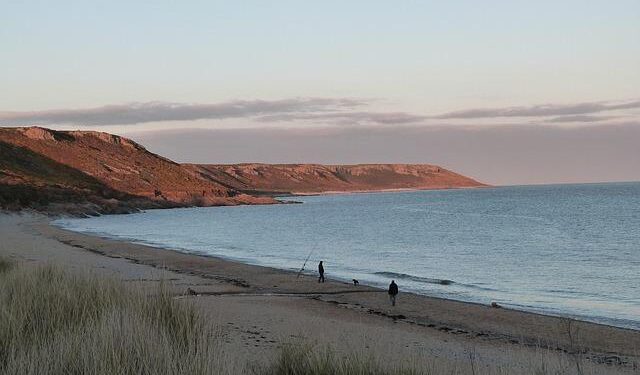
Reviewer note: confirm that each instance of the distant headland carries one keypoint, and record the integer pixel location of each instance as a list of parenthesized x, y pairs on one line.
[(88, 172)]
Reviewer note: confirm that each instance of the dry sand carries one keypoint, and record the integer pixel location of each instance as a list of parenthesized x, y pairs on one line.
[(259, 308)]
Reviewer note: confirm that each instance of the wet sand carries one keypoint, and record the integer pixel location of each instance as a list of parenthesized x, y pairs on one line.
[(258, 309)]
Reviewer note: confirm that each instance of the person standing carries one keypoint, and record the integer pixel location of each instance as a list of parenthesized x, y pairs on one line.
[(393, 292), (321, 272)]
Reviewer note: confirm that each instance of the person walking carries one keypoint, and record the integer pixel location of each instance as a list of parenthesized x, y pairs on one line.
[(321, 272), (393, 292)]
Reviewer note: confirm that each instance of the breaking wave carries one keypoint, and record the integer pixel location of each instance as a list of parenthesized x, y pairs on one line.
[(404, 276)]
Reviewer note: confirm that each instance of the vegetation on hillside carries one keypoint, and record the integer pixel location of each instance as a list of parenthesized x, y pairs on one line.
[(33, 181)]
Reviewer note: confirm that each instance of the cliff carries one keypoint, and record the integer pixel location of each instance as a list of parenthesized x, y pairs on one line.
[(273, 179), (93, 171), (87, 172)]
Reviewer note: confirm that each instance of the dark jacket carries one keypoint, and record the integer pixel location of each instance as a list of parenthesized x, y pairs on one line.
[(393, 289), (320, 268)]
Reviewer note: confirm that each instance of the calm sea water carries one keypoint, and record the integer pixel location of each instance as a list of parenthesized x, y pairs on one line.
[(569, 250)]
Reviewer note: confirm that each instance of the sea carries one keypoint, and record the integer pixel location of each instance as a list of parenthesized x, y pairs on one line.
[(565, 250)]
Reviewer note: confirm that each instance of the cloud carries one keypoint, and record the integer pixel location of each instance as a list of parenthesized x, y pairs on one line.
[(541, 110), (325, 111), (381, 118), (137, 113), (581, 118)]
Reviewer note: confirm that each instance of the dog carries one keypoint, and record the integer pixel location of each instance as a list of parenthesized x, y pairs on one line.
[(356, 282)]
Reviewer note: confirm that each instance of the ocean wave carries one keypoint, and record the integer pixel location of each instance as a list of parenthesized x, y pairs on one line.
[(404, 276), (428, 280)]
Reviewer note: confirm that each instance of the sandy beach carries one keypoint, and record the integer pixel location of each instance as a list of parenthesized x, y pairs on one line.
[(257, 309)]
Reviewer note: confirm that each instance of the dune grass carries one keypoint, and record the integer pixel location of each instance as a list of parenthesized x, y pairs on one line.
[(55, 322), (306, 360), (303, 359)]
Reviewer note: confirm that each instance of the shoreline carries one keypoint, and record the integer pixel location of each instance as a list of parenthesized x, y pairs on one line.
[(59, 233), (394, 190), (340, 280), (433, 321)]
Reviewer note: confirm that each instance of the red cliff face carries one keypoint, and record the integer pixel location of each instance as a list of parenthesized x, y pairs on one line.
[(101, 172), (316, 178), (96, 162)]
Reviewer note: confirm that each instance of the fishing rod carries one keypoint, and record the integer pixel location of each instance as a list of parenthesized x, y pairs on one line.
[(315, 244), (305, 262)]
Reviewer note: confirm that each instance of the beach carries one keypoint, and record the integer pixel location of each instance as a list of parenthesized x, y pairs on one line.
[(258, 309)]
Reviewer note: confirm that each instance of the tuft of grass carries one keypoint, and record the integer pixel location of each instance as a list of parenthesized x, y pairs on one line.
[(303, 360), (55, 322), (5, 265)]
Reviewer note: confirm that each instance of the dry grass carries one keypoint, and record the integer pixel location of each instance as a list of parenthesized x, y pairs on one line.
[(56, 322), (304, 360)]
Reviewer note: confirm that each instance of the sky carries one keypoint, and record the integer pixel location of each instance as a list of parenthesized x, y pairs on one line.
[(508, 92)]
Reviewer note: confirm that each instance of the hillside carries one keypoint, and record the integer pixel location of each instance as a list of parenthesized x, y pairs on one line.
[(99, 171), (92, 172), (316, 178)]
